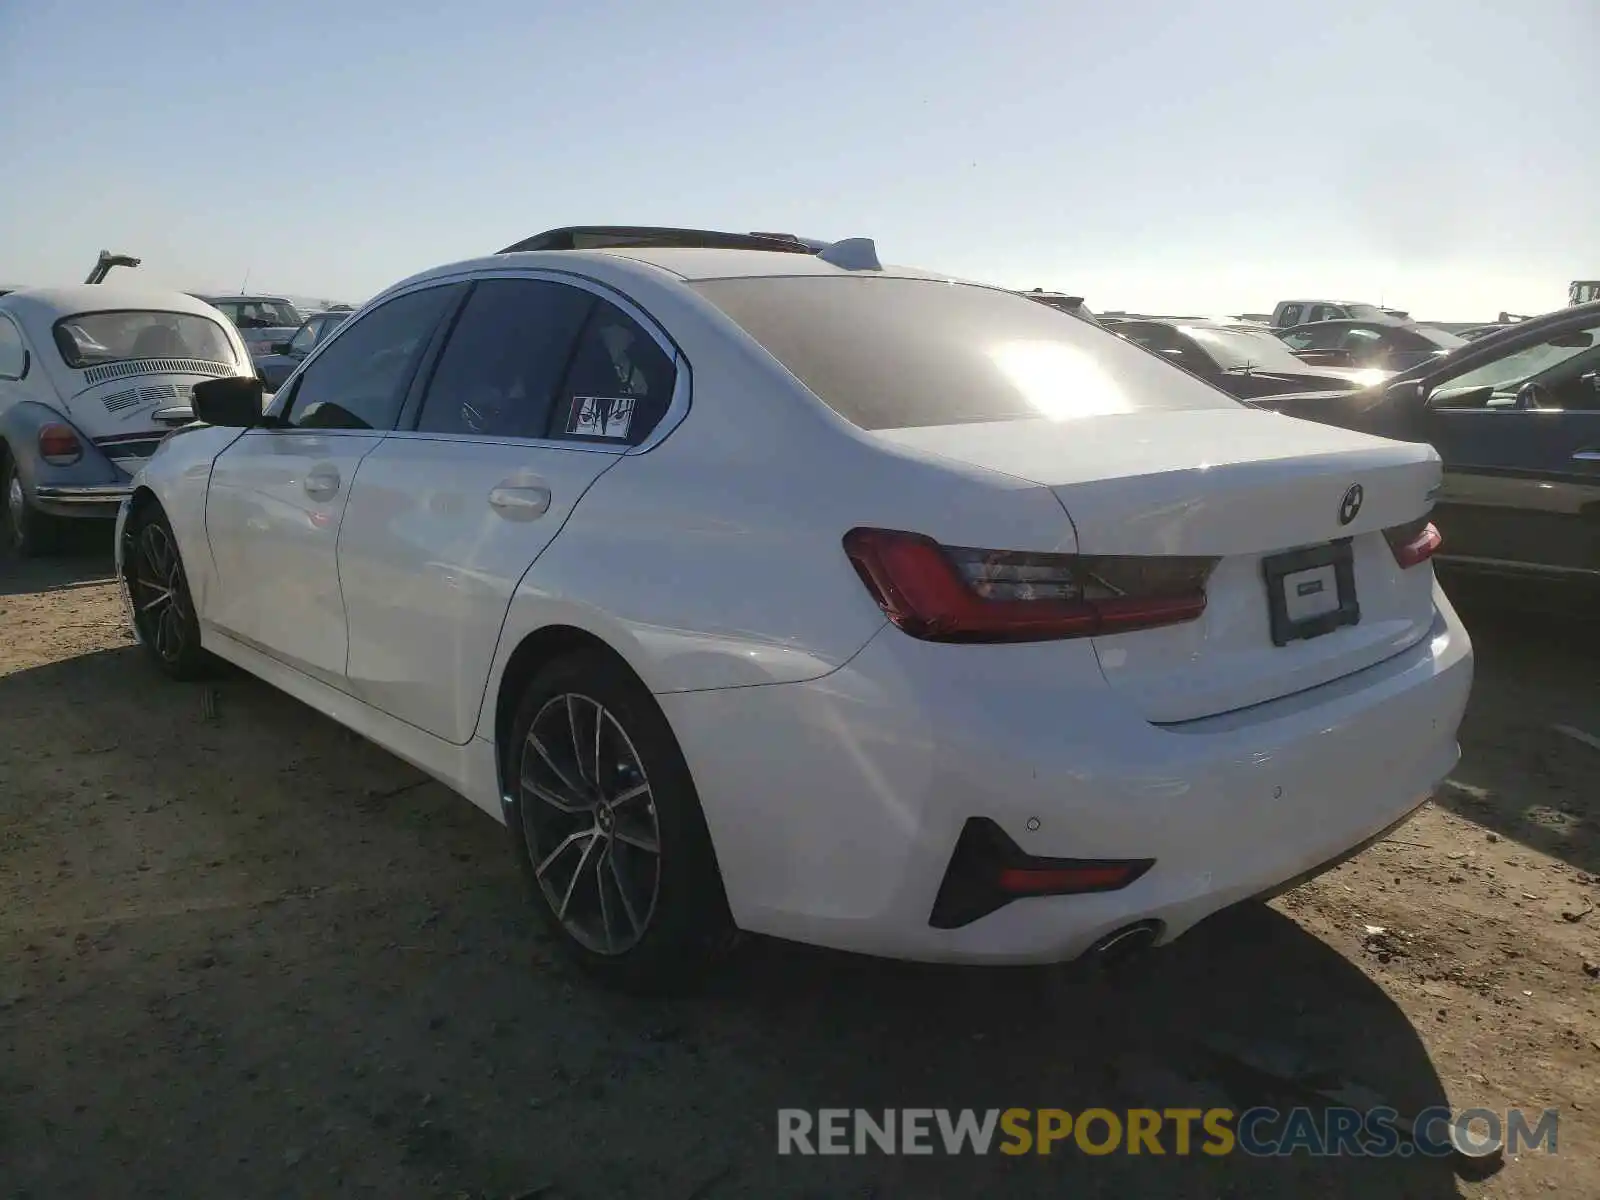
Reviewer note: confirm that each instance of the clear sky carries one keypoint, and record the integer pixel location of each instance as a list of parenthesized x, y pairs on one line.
[(1434, 155)]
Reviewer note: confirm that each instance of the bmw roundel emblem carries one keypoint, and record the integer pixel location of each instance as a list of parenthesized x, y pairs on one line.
[(1351, 504)]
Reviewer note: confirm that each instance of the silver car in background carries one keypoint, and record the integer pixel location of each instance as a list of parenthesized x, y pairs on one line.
[(261, 320)]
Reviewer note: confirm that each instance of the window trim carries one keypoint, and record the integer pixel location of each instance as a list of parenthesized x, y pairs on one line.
[(677, 405), (27, 351)]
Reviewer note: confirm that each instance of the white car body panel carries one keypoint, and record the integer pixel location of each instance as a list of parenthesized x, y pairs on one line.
[(1209, 481), (1223, 482), (186, 459), (916, 736), (835, 756), (273, 509), (444, 600)]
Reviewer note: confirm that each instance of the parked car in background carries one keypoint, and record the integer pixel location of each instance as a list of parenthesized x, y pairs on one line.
[(1244, 362), (1515, 417), (1380, 345), (261, 320), (283, 357), (818, 720), (1290, 313), (92, 377)]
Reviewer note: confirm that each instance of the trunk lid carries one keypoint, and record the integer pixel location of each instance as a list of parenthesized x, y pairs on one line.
[(127, 414), (1242, 486)]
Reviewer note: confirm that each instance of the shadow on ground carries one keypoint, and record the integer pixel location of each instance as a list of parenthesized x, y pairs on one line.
[(246, 953), (87, 565), (1533, 726)]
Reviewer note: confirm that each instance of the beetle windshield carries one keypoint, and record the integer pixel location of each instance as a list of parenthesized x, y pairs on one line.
[(89, 339)]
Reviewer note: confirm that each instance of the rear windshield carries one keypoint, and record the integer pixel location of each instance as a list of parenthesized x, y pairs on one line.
[(1241, 350), (259, 314), (89, 339), (887, 353)]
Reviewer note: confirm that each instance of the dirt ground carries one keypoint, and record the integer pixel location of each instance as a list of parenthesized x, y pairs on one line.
[(244, 953)]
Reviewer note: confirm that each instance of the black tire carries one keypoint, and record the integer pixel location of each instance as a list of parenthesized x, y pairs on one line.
[(684, 925), (29, 532), (163, 611)]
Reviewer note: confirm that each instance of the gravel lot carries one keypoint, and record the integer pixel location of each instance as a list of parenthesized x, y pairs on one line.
[(244, 953)]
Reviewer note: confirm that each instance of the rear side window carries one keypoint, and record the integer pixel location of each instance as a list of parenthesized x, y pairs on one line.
[(888, 353), (1359, 340), (1316, 337), (500, 370), (13, 356), (259, 314), (619, 385)]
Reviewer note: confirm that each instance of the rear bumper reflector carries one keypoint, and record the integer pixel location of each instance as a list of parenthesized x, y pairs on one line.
[(988, 870)]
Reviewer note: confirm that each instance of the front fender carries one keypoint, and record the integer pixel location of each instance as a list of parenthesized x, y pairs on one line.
[(178, 475)]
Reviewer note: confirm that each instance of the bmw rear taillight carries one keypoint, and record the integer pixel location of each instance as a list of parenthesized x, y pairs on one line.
[(1413, 543), (59, 445), (962, 594)]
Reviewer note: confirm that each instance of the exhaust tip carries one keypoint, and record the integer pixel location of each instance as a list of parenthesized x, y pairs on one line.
[(1123, 944)]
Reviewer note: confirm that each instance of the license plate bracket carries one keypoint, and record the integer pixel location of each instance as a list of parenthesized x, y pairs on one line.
[(1311, 592)]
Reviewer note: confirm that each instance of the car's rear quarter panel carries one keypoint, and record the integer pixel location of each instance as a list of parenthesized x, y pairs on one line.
[(716, 560)]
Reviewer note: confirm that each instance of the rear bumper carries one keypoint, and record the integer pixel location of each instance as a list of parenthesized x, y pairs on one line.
[(81, 500), (835, 804)]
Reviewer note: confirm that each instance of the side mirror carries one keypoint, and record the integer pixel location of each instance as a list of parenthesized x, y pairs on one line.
[(234, 402), (280, 347)]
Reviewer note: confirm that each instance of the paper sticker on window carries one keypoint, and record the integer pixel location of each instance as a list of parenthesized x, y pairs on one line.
[(600, 416)]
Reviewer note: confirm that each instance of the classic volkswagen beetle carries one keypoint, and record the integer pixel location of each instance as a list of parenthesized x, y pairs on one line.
[(92, 377)]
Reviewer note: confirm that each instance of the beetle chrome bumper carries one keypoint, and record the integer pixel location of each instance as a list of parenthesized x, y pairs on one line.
[(82, 499)]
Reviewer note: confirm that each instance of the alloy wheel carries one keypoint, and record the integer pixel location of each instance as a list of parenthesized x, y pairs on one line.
[(590, 822), (160, 599)]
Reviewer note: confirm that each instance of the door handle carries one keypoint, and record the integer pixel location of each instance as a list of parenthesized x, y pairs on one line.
[(520, 503), (322, 483), (1591, 454)]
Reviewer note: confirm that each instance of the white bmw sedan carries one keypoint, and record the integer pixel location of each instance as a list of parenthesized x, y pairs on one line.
[(780, 591)]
